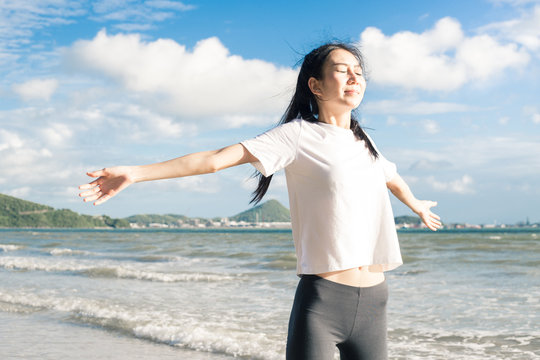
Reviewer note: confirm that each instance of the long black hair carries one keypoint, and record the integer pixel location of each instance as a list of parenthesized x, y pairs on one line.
[(304, 104)]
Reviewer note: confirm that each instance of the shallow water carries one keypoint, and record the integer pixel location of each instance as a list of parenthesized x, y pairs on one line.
[(220, 295)]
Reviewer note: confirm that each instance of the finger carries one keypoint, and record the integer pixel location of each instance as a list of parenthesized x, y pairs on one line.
[(435, 219), (93, 197), (90, 185), (102, 199), (96, 173), (89, 192)]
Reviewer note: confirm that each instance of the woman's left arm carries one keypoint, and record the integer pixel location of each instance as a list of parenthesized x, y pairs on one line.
[(422, 208)]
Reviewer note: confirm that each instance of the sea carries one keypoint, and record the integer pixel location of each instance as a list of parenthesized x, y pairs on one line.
[(227, 294)]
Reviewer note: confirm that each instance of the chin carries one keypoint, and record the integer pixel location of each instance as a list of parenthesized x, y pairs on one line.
[(354, 104)]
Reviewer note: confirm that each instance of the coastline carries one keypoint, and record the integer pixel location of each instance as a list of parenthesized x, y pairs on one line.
[(262, 230)]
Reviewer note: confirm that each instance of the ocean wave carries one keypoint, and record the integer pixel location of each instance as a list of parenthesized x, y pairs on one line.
[(9, 247), (103, 269), (66, 251), (156, 258), (186, 331), (466, 344)]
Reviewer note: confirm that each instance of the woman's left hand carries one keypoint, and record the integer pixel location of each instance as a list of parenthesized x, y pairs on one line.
[(423, 209)]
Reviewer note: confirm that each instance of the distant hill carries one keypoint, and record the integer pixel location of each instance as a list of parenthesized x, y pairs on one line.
[(407, 220), (17, 213), (147, 219), (270, 211)]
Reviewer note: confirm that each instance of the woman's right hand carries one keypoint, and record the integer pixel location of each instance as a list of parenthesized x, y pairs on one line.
[(109, 182)]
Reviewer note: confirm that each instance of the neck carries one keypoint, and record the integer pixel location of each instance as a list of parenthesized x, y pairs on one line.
[(342, 120)]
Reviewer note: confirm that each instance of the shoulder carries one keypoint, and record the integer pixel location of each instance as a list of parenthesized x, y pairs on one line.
[(290, 128), (295, 124)]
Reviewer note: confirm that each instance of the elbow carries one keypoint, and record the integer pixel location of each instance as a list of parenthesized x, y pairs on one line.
[(213, 165)]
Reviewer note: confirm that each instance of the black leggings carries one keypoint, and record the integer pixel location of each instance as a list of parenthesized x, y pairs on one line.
[(327, 314)]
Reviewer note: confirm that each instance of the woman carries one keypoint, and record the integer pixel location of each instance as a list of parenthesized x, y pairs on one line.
[(342, 222)]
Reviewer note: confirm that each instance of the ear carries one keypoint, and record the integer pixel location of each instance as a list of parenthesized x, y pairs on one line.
[(314, 86)]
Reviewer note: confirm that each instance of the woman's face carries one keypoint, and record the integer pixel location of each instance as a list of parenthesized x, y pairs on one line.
[(342, 85)]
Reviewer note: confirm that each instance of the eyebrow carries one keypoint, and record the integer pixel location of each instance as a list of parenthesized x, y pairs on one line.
[(357, 65)]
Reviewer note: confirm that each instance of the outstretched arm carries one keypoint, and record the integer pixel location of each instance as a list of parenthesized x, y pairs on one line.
[(110, 181), (422, 208)]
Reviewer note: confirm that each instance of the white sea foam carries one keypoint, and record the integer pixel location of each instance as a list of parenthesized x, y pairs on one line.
[(467, 304), (155, 325), (469, 344), (9, 247), (106, 269), (66, 251)]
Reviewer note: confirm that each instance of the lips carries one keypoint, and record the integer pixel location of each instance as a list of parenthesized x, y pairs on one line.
[(353, 90)]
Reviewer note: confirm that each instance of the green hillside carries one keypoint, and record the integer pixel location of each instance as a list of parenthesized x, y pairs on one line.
[(270, 211), (407, 220), (147, 219), (17, 213)]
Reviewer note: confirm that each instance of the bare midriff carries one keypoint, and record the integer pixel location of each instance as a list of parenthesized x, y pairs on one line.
[(359, 277)]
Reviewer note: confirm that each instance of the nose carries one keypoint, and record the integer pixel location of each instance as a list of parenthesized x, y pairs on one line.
[(353, 78)]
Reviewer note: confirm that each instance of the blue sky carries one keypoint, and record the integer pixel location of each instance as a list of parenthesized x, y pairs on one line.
[(452, 96)]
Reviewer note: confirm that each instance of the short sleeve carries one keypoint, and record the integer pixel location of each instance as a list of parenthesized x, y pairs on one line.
[(389, 168), (275, 148)]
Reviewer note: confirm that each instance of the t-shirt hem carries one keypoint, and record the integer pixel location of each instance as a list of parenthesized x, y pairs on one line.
[(313, 271)]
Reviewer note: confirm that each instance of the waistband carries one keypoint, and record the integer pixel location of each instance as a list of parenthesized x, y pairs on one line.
[(338, 286)]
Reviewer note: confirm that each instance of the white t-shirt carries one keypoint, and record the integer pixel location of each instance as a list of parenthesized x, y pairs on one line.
[(340, 209)]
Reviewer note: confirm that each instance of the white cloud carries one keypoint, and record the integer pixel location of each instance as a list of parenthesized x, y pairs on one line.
[(441, 59), (524, 31), (136, 15), (135, 123), (414, 107), (167, 4), (56, 134), (430, 165), (9, 140), (20, 20), (203, 184), (504, 120), (516, 3), (36, 89), (482, 56), (125, 9), (205, 82), (391, 120), (487, 157), (26, 165), (20, 192), (431, 126), (133, 27), (249, 183), (462, 185), (532, 113)]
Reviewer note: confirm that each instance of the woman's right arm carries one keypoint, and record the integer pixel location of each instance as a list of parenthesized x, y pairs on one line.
[(110, 181)]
